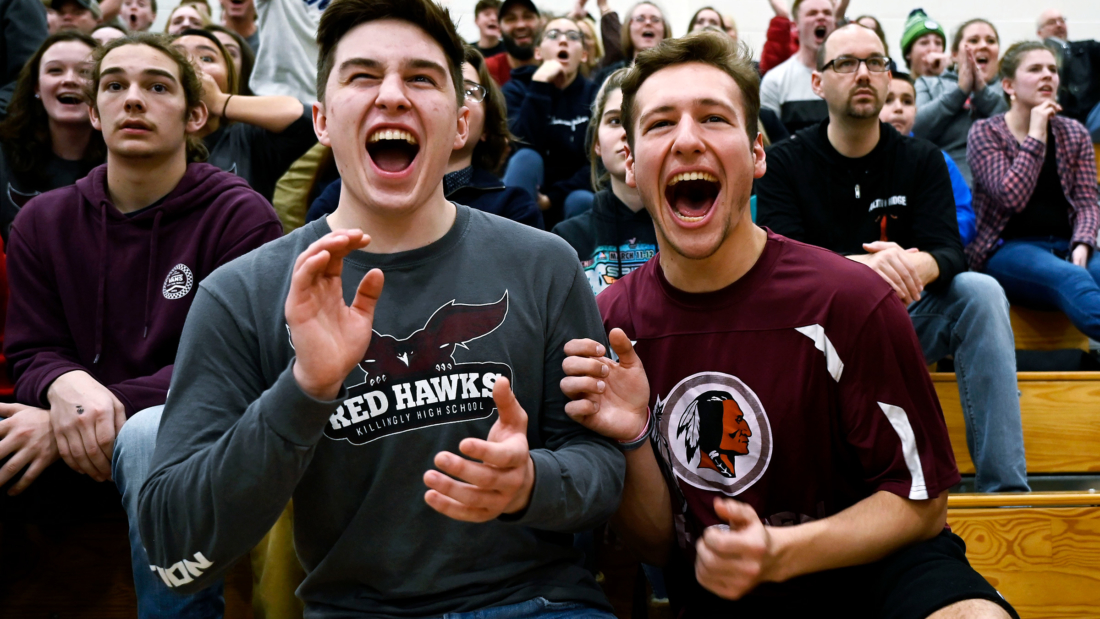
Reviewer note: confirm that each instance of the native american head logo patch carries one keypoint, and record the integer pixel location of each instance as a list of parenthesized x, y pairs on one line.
[(414, 382), (718, 434)]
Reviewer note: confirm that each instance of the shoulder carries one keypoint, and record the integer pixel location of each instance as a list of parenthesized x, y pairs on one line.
[(1072, 128), (575, 229), (988, 128), (823, 277), (51, 210), (514, 238), (268, 266)]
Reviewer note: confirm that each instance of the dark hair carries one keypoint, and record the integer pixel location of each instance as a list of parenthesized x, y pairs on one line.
[(825, 43), (1010, 62), (599, 174), (721, 18), (485, 5), (490, 153), (957, 39), (188, 77), (627, 42), (231, 70), (706, 47), (343, 15), (902, 75), (248, 58), (878, 30), (25, 131)]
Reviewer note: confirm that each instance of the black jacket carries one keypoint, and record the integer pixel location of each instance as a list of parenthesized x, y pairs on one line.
[(22, 30), (553, 122), (485, 192), (899, 192), (1079, 90), (610, 239), (260, 156)]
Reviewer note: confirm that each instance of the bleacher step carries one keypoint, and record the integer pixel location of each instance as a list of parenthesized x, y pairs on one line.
[(1060, 412)]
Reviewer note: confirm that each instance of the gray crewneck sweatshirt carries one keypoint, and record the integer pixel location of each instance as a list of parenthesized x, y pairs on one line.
[(239, 438)]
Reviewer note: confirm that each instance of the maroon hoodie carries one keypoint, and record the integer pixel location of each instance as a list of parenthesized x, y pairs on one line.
[(96, 290)]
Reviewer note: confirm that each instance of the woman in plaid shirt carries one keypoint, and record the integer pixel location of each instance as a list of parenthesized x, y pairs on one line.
[(1035, 195)]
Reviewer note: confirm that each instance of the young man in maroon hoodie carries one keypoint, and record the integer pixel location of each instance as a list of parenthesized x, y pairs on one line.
[(102, 274)]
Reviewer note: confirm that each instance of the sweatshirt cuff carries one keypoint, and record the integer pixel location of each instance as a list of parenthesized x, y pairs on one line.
[(545, 493), (45, 381), (295, 415), (542, 89), (955, 98)]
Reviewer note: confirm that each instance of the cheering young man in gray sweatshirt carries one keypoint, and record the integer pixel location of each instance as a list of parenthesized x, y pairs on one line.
[(418, 425)]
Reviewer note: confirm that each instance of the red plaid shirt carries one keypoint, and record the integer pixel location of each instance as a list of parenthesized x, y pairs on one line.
[(1005, 173)]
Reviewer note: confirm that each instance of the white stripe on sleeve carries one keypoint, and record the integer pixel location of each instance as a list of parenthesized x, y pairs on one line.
[(900, 421)]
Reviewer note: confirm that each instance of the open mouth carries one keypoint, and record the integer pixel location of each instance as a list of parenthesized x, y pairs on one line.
[(563, 55), (68, 98), (133, 20), (692, 194), (392, 150), (820, 32), (649, 34), (982, 60)]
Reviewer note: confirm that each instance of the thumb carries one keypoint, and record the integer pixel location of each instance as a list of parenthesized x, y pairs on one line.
[(873, 247), (512, 415), (620, 343), (738, 514)]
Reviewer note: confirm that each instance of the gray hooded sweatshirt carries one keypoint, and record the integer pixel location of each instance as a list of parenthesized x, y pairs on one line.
[(945, 114), (239, 438)]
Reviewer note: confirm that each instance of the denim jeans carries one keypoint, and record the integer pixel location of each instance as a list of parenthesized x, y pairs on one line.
[(130, 464), (539, 608), (525, 170), (1039, 273), (970, 321), (578, 202)]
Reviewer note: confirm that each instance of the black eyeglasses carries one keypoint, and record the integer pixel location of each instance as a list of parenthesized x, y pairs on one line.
[(555, 34), (850, 64), (474, 92)]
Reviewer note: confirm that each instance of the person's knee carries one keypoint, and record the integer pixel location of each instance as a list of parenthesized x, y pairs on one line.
[(982, 291), (138, 434), (971, 609)]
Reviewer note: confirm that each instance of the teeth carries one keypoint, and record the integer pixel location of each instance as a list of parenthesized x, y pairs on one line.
[(692, 176), (392, 134), (688, 219)]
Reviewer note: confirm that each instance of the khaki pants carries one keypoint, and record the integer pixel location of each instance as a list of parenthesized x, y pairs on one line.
[(276, 572), (291, 198)]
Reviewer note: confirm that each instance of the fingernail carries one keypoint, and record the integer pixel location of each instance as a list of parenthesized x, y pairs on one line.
[(604, 370), (600, 349), (600, 385), (597, 405)]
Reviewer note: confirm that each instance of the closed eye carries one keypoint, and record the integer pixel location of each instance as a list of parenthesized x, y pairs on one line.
[(424, 79), (714, 118)]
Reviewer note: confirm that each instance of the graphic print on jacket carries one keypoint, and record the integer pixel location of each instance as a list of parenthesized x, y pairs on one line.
[(413, 382), (609, 264), (718, 435)]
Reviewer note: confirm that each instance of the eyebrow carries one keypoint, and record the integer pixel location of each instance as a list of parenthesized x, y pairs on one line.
[(147, 72), (413, 63), (704, 102)]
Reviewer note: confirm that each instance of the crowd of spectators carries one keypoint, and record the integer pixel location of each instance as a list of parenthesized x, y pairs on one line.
[(966, 184)]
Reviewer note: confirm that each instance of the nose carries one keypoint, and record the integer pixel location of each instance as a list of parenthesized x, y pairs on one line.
[(135, 102), (688, 140), (391, 94)]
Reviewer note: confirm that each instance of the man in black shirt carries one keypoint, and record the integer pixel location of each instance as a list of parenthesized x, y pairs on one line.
[(852, 184)]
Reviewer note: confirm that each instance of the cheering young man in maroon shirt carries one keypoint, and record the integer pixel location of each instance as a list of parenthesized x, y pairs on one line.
[(805, 453)]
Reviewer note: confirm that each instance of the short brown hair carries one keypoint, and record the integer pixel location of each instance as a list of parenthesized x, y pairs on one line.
[(1010, 62), (490, 153), (599, 175), (189, 78), (957, 39), (706, 47), (343, 15), (485, 5), (627, 42)]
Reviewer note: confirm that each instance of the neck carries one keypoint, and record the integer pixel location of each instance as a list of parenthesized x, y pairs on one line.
[(738, 253), (396, 232), (244, 26), (515, 63), (70, 141), (135, 183), (807, 56), (1018, 118), (488, 41), (853, 137), (460, 160), (629, 195)]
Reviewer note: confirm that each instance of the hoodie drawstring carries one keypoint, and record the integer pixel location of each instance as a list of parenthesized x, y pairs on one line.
[(101, 294), (152, 266)]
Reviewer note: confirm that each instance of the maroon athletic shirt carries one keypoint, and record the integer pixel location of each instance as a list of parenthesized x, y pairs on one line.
[(800, 389)]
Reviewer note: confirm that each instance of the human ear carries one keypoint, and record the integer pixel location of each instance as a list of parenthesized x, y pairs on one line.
[(463, 127), (320, 124), (630, 180), (196, 118)]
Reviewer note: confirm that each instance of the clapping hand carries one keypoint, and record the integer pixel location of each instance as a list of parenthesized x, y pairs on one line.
[(608, 397)]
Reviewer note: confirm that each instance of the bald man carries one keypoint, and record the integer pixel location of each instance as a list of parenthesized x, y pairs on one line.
[(1079, 92)]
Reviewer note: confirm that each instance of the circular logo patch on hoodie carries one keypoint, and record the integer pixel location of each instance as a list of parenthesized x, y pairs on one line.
[(178, 283)]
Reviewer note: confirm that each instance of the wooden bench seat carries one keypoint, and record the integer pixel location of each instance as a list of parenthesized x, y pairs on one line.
[(1039, 330), (1060, 412), (1040, 550)]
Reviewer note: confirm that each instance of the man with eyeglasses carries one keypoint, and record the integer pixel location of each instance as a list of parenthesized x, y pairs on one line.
[(854, 185), (519, 25), (548, 109), (1079, 93)]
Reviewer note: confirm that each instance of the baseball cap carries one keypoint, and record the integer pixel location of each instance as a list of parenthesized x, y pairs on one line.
[(91, 5), (510, 3)]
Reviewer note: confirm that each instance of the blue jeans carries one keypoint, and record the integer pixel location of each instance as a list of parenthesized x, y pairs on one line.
[(133, 455), (1093, 124), (970, 321), (525, 170), (540, 608), (578, 202), (1039, 273)]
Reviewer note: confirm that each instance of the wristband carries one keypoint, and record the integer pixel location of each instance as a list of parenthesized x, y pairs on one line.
[(642, 438), (225, 106)]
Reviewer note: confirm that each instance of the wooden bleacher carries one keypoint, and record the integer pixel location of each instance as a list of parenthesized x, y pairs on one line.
[(1041, 550)]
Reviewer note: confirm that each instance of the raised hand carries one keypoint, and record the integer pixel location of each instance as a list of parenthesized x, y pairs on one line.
[(551, 72), (1040, 118), (85, 417), (780, 8), (501, 482), (212, 95), (329, 336), (937, 61), (28, 438), (731, 562), (968, 69), (608, 397)]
